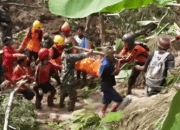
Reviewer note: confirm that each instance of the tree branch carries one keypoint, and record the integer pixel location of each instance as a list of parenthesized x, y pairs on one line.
[(24, 5), (10, 103)]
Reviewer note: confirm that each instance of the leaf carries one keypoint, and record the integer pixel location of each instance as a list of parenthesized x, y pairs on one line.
[(143, 23), (113, 117), (172, 120), (83, 8), (119, 44)]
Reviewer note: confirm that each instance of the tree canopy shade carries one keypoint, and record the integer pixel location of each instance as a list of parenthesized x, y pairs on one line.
[(83, 8)]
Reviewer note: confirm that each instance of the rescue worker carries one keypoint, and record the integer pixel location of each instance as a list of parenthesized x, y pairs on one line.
[(137, 53), (22, 72), (47, 41), (65, 29), (33, 41), (67, 75), (55, 53), (107, 73), (42, 78), (9, 56)]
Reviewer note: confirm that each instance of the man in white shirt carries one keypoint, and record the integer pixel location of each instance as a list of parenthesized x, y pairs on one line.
[(84, 43)]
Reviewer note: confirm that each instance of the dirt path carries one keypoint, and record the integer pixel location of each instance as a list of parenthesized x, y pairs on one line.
[(56, 114)]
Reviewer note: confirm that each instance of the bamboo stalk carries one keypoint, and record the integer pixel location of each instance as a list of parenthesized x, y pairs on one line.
[(10, 103)]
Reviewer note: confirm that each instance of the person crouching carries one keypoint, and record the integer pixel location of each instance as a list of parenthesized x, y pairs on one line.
[(42, 78)]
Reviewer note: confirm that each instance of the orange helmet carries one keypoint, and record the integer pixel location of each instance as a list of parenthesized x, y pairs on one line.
[(43, 53), (65, 28)]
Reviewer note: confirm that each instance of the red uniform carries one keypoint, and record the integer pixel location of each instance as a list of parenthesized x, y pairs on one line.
[(8, 58), (139, 54), (18, 73), (45, 70)]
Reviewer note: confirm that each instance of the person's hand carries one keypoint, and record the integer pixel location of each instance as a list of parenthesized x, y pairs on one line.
[(90, 52), (23, 56)]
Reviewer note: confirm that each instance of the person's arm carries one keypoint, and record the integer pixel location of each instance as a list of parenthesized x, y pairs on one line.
[(145, 66), (54, 65), (51, 53), (77, 57), (132, 56), (123, 52), (171, 65), (117, 69), (25, 42), (75, 44)]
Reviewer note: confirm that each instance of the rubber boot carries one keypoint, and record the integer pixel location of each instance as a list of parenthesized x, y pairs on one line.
[(71, 105), (38, 103), (50, 100), (61, 104)]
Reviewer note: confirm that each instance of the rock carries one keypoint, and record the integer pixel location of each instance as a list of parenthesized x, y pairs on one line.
[(127, 100), (53, 115), (145, 111), (80, 92)]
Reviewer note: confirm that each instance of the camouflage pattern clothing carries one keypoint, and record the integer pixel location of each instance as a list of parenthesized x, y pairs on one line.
[(68, 61), (67, 79)]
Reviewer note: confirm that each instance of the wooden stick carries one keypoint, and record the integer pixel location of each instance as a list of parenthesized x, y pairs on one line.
[(95, 52), (10, 103), (24, 5)]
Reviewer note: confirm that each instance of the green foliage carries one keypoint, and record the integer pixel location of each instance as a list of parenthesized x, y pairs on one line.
[(176, 125), (142, 16), (119, 45), (82, 8), (91, 88), (86, 120), (22, 115), (171, 80), (81, 121), (113, 117), (19, 37), (172, 120)]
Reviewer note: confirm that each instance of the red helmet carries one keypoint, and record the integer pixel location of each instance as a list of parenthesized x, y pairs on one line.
[(43, 53)]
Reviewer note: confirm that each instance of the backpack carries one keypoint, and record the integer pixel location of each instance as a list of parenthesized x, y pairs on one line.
[(155, 72)]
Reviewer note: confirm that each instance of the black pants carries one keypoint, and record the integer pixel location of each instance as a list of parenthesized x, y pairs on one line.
[(31, 55), (45, 88), (132, 79), (28, 94), (56, 77)]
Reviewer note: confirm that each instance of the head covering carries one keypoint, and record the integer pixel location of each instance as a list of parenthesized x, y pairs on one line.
[(36, 25), (130, 39), (58, 40), (108, 51), (68, 46), (43, 53), (65, 28), (164, 43), (7, 40)]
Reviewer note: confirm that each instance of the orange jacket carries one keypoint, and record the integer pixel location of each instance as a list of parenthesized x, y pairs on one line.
[(35, 38), (139, 54)]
